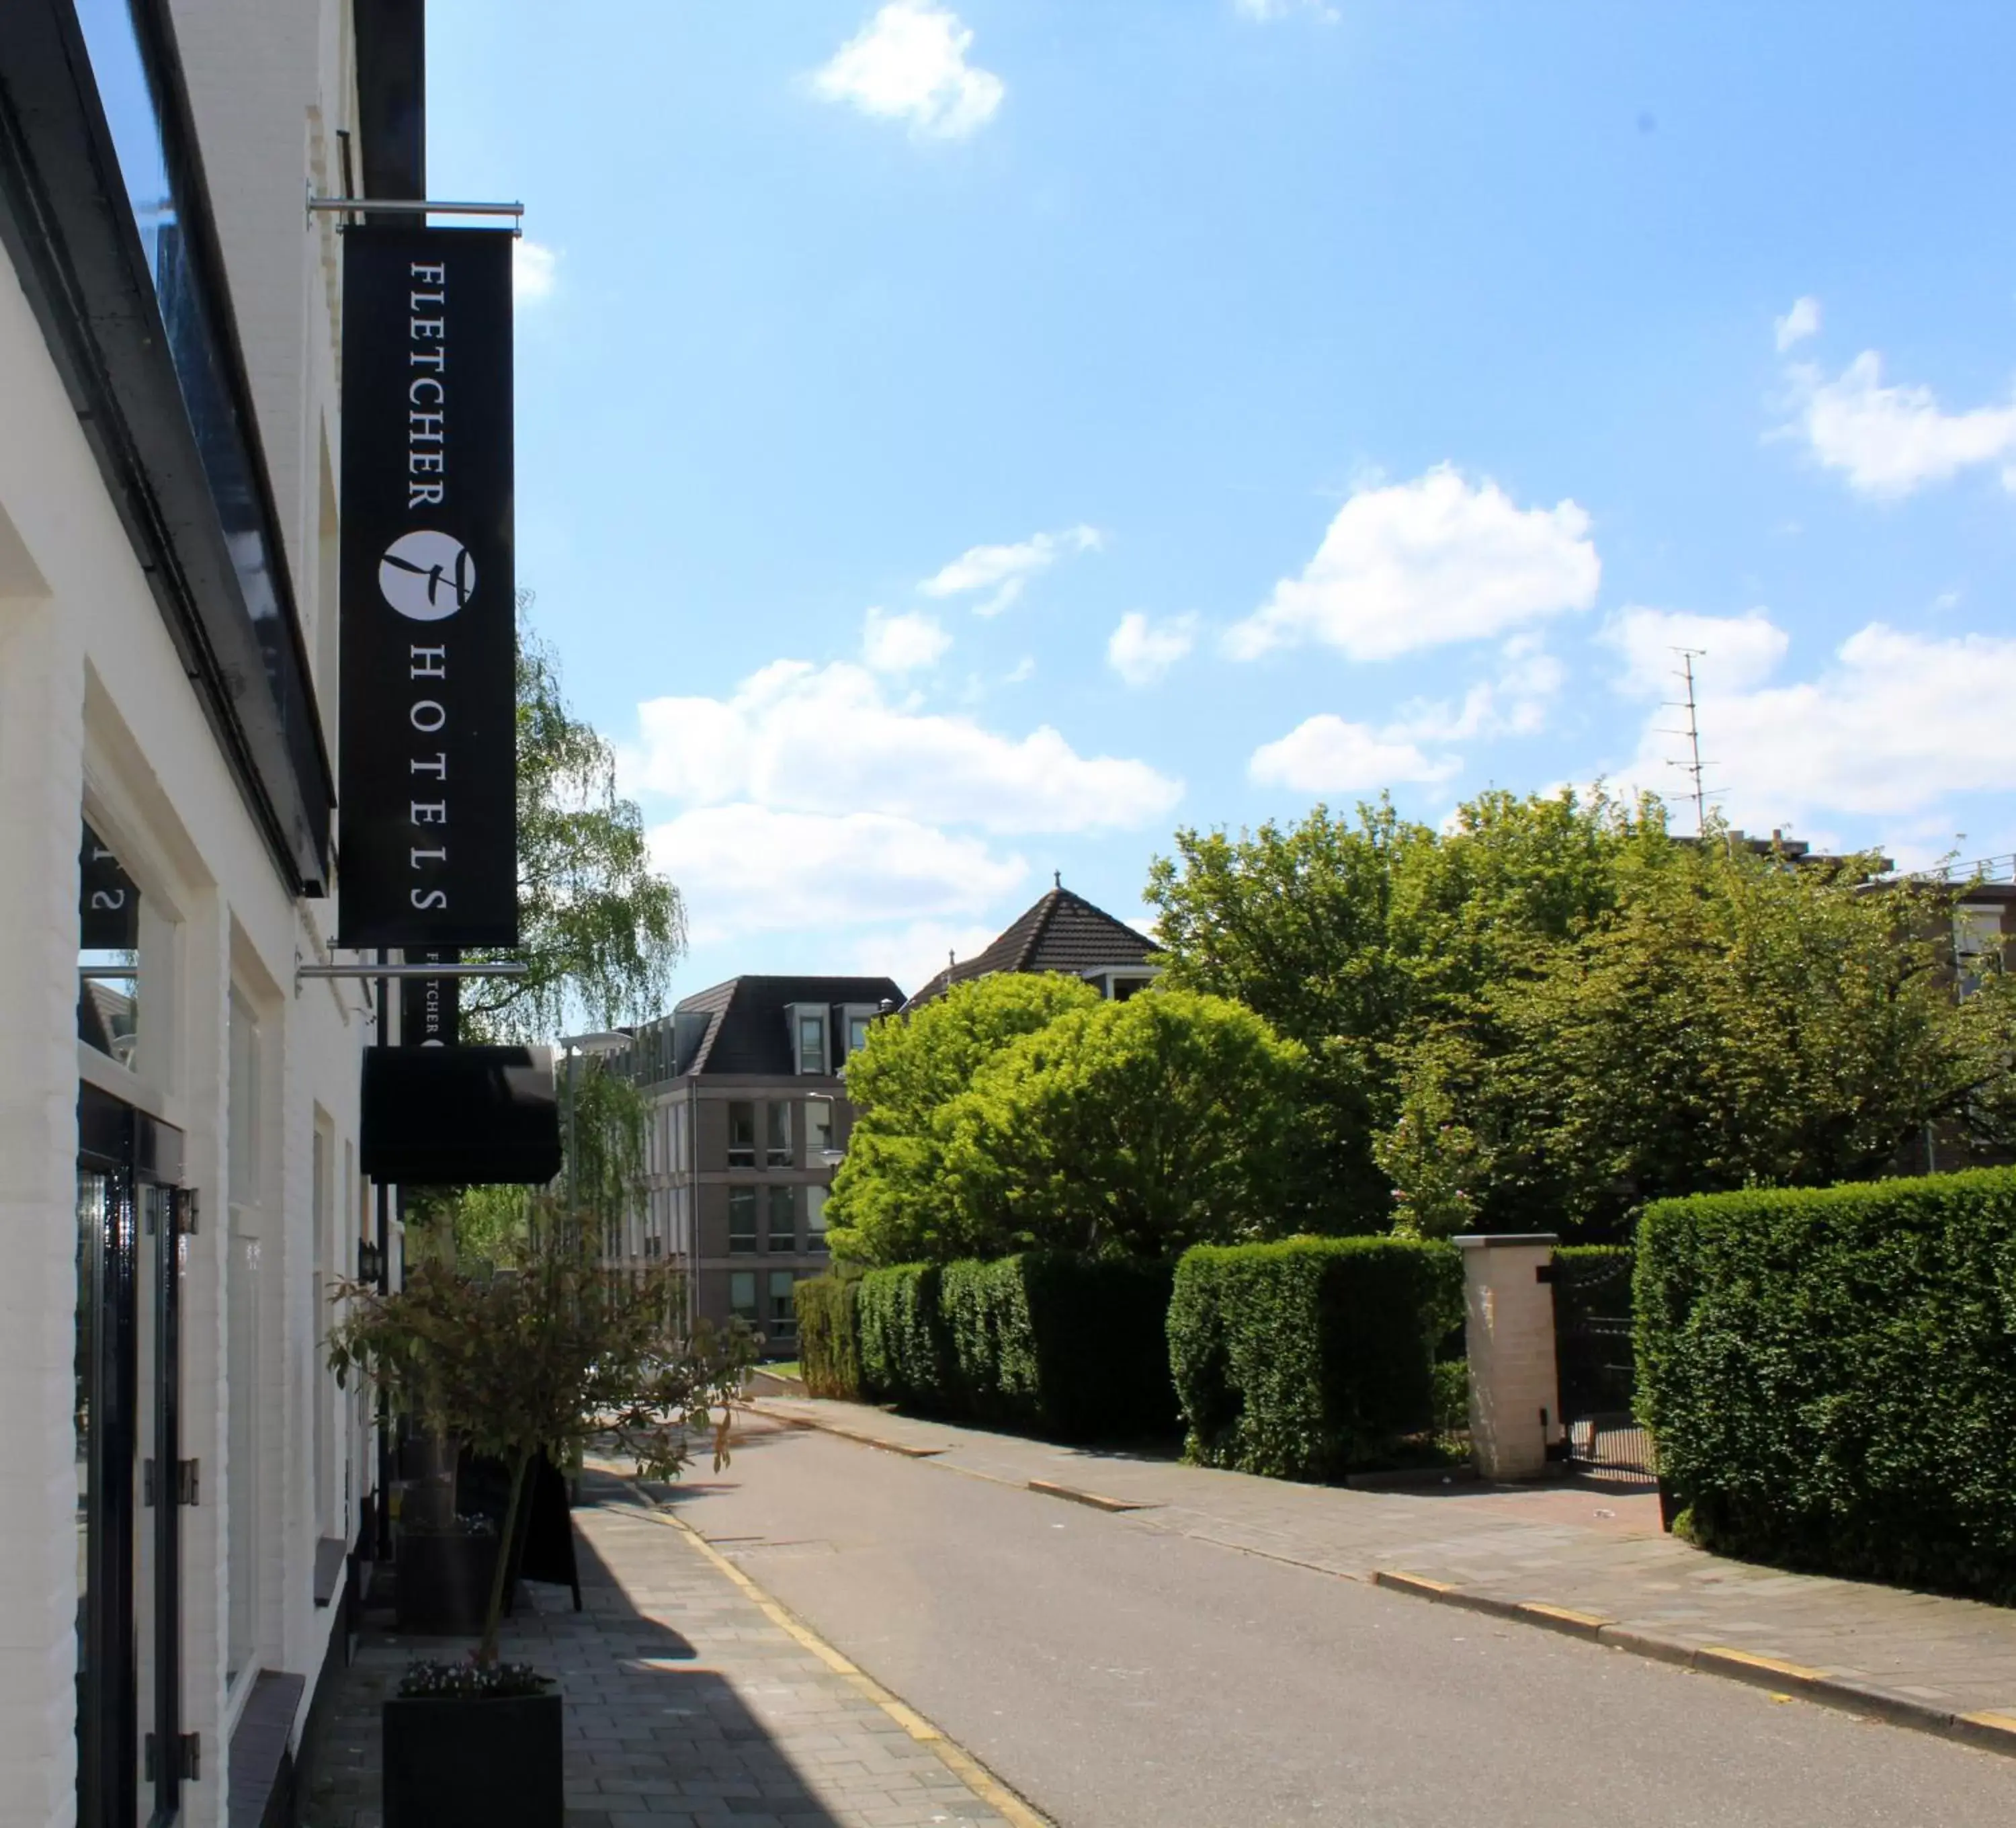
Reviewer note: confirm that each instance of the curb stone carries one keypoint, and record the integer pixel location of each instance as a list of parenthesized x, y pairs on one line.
[(1995, 1731)]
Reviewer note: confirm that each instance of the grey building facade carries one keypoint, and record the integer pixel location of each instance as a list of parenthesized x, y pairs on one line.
[(747, 1118)]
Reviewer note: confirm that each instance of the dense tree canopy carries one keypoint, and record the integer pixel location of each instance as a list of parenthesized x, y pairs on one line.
[(890, 1203), (1023, 1112), (1553, 1010), (1135, 1128)]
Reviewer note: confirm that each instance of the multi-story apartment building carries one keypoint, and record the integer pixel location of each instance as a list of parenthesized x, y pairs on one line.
[(748, 1116), (180, 1177)]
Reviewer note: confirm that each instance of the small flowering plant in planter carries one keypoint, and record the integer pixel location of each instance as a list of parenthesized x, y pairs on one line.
[(470, 1681)]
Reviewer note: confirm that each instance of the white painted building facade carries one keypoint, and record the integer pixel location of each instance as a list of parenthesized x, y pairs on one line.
[(196, 1059)]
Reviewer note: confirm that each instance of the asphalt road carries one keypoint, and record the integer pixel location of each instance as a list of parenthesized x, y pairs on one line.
[(1121, 1677)]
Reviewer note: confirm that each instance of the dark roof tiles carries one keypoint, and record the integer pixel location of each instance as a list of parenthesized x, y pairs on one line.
[(1062, 932), (747, 1032)]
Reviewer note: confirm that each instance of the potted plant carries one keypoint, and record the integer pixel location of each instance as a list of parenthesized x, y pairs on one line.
[(547, 1357)]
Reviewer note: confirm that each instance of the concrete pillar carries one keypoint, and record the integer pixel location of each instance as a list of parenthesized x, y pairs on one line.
[(1515, 1405)]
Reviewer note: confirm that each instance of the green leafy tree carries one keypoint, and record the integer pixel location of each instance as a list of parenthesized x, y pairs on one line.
[(1734, 1020), (1356, 937), (1131, 1129), (889, 1203), (600, 929)]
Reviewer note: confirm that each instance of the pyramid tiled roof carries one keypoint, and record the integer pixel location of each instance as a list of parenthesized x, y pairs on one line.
[(1062, 932)]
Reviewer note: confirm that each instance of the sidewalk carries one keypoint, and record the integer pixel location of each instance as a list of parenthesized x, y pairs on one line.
[(1582, 1557), (692, 1701)]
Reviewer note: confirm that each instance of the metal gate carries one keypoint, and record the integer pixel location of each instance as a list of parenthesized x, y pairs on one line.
[(1597, 1366)]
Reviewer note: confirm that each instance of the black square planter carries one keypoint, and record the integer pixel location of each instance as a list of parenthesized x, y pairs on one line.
[(442, 1585), (452, 1763)]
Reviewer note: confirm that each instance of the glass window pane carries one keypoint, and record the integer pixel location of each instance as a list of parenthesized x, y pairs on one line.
[(242, 1468), (783, 1218), (741, 1134), (741, 1219), (857, 1033), (742, 1294), (243, 1138), (778, 1134), (783, 1316), (108, 952), (812, 1044), (816, 1218)]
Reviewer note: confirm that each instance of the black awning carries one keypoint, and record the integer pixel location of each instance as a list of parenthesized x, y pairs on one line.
[(461, 1116)]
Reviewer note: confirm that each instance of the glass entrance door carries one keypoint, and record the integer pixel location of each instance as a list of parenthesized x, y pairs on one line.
[(130, 1256)]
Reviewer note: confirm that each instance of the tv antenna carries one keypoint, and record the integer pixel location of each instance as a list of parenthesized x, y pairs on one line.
[(1693, 767)]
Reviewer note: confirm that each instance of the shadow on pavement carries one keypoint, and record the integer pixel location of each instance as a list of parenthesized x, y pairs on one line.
[(649, 1731)]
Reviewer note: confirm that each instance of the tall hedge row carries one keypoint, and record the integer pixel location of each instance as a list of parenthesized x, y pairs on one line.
[(906, 1349), (1071, 1349), (1305, 1359), (828, 1336), (1831, 1375)]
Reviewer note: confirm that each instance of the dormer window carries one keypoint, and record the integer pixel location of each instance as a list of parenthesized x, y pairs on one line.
[(808, 1024), (854, 1019)]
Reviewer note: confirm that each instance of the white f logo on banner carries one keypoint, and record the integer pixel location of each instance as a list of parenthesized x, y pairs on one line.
[(426, 576)]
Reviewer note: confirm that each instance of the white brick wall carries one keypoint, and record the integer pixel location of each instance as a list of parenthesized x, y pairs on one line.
[(41, 725), (93, 700), (1509, 1331)]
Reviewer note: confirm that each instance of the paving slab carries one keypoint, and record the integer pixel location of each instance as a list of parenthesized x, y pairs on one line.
[(689, 1699)]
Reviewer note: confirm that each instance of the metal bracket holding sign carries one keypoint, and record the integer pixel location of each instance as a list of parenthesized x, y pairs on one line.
[(408, 206)]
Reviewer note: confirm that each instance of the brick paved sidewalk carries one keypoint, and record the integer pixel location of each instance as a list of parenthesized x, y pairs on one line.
[(690, 1702), (1581, 1548)]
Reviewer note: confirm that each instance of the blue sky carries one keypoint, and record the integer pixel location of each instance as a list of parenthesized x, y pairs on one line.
[(957, 443)]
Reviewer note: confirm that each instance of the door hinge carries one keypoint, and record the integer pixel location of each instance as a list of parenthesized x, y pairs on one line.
[(188, 1758), (186, 1205), (186, 1484)]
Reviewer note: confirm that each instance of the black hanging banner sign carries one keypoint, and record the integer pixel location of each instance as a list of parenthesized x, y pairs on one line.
[(430, 1008), (426, 797)]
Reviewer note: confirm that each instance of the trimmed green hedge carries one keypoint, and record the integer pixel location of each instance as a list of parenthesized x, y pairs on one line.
[(905, 1348), (1831, 1375), (1072, 1349), (1305, 1359), (1067, 1348), (828, 1336)]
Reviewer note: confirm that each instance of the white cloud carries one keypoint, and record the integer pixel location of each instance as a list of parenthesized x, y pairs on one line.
[(535, 271), (795, 737), (1894, 724), (1890, 441), (902, 644), (1141, 653), (1005, 571), (1419, 564), (909, 64), (1736, 652), (1802, 321), (745, 868), (1514, 704), (1326, 755), (915, 951)]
